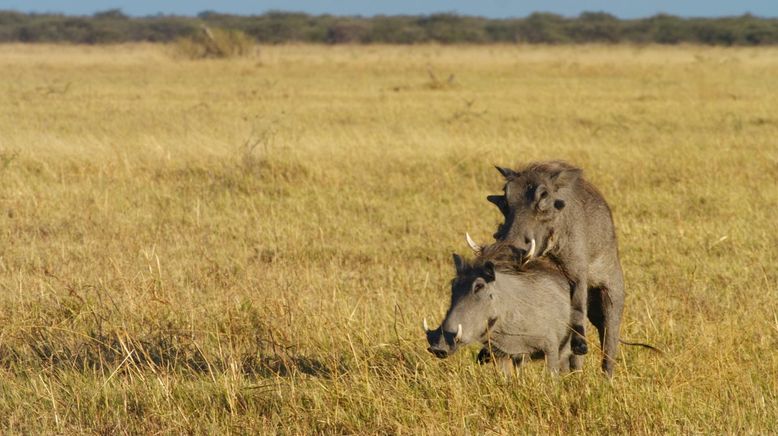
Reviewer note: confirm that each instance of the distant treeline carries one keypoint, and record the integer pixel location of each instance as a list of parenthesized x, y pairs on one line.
[(113, 26)]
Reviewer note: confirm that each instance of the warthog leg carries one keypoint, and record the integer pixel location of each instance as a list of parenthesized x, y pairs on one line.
[(605, 309)]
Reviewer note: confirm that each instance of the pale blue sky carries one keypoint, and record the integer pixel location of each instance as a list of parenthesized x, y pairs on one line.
[(488, 8)]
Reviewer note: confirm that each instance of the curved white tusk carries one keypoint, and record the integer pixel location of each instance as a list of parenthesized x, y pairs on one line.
[(549, 244), (473, 246), (426, 328), (458, 337), (531, 251)]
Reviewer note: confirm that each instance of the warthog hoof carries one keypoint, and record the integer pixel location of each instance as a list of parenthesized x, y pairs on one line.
[(578, 341), (580, 348)]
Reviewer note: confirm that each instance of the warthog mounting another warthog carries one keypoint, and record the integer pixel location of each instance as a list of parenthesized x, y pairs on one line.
[(511, 307), (550, 210)]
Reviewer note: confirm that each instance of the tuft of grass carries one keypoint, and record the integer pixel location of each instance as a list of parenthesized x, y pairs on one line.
[(214, 247)]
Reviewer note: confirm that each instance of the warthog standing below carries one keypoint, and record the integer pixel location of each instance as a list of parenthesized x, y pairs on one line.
[(514, 309), (551, 210)]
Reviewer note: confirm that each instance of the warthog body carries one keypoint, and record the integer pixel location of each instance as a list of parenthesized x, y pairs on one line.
[(550, 210), (512, 309)]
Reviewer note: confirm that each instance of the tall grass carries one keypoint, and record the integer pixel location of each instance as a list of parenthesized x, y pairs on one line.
[(233, 246)]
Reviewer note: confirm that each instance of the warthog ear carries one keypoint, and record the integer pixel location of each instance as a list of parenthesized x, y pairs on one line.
[(563, 177), (500, 202), (488, 271), (507, 172), (459, 264)]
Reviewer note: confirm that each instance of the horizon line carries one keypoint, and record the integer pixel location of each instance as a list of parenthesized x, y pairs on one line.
[(376, 15)]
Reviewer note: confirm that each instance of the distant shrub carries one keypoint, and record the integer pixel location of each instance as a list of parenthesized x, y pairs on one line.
[(277, 27), (235, 35), (347, 31), (453, 29), (396, 30), (111, 14), (215, 43), (544, 28), (759, 32), (504, 30), (667, 29), (595, 27)]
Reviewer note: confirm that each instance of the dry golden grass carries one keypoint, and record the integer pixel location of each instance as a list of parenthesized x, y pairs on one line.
[(249, 245)]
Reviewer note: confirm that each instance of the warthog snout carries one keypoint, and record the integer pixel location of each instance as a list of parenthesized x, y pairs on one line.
[(442, 343), (438, 352), (528, 250)]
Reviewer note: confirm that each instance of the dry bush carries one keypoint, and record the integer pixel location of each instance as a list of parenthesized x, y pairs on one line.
[(215, 44)]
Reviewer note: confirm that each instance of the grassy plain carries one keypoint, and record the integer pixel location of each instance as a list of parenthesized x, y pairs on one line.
[(250, 245)]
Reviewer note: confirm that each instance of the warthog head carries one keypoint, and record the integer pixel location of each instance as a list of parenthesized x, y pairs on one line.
[(474, 307), (531, 204)]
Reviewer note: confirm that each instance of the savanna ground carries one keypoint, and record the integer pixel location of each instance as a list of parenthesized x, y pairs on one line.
[(250, 245)]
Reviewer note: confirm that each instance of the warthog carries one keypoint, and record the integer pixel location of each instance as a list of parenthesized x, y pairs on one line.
[(549, 209), (514, 309)]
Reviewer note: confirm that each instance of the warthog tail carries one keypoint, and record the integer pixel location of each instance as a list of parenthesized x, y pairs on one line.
[(640, 344)]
